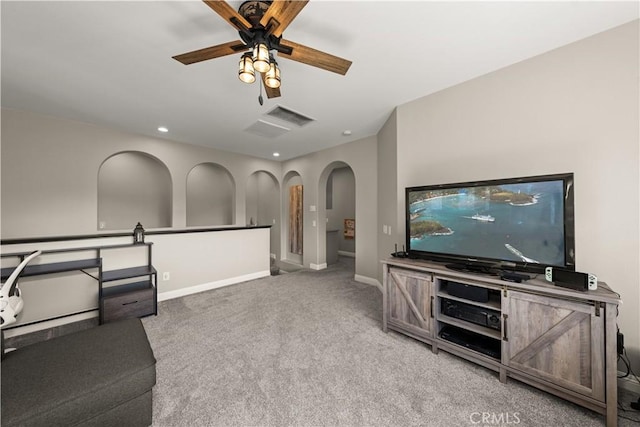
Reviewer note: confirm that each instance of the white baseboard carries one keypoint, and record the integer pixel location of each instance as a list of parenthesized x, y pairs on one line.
[(628, 383), (348, 254), (368, 281), (163, 296), (27, 329), (318, 266)]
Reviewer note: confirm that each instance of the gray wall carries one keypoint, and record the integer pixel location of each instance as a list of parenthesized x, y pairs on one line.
[(390, 197), (50, 171), (574, 109)]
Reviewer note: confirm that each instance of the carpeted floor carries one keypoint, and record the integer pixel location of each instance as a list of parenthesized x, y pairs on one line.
[(307, 349)]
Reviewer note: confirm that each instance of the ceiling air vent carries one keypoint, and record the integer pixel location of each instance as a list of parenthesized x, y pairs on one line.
[(266, 129), (290, 116)]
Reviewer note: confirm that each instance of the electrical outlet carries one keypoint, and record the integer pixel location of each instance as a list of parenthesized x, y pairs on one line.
[(166, 276), (620, 343)]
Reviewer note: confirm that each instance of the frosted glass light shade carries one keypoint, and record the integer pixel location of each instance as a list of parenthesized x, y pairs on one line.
[(272, 78), (261, 58), (246, 72)]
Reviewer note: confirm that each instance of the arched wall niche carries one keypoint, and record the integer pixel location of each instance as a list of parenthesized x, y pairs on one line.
[(210, 195), (336, 203), (293, 219), (133, 187), (263, 205)]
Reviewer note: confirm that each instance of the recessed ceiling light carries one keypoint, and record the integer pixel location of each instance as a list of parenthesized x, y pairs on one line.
[(276, 154), (346, 132), (163, 129)]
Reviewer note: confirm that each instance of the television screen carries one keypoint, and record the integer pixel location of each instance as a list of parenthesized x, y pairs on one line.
[(519, 222)]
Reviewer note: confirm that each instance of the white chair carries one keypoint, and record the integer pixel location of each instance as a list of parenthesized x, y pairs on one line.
[(11, 303)]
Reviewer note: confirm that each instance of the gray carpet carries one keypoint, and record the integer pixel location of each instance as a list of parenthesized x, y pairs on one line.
[(307, 349)]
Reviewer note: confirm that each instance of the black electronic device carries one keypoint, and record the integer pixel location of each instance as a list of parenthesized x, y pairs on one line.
[(397, 254), (512, 276), (474, 267), (472, 341), (519, 224), (471, 313), (472, 293)]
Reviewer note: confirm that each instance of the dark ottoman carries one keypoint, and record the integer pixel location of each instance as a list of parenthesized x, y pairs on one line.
[(101, 376)]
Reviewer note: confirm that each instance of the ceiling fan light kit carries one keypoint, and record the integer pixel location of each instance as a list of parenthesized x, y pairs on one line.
[(260, 25), (247, 73), (272, 78), (261, 57)]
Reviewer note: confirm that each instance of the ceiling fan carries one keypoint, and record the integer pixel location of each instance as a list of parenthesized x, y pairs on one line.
[(260, 25)]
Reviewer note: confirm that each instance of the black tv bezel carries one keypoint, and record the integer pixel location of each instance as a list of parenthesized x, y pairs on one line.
[(486, 263)]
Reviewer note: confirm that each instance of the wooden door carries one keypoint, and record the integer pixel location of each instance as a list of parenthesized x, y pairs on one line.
[(295, 219), (557, 340), (410, 302)]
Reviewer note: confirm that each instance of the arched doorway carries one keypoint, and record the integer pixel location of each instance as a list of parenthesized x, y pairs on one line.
[(337, 188)]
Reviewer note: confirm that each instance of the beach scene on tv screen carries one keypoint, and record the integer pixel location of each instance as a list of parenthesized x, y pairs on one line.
[(521, 222)]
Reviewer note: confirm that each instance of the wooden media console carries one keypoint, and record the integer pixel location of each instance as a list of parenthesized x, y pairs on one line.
[(556, 339)]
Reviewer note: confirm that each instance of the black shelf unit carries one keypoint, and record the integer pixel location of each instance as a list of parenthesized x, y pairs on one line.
[(137, 298), (135, 295)]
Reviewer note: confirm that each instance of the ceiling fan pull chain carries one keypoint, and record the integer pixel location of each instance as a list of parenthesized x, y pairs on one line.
[(260, 99)]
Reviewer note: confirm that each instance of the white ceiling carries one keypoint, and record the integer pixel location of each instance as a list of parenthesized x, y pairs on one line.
[(109, 63)]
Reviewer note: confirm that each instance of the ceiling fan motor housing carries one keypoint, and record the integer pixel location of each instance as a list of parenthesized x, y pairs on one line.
[(253, 11)]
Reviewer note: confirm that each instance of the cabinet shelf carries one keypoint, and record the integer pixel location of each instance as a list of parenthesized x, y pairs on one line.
[(493, 303), (127, 273), (470, 341), (478, 329)]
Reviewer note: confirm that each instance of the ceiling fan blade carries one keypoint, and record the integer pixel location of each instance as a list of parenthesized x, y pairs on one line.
[(271, 93), (229, 14), (282, 12), (211, 52), (313, 57)]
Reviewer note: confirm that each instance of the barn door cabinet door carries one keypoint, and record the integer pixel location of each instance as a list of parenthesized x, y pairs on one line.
[(410, 301), (556, 340)]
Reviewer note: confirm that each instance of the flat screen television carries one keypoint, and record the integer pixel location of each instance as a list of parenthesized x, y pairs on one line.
[(519, 224)]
